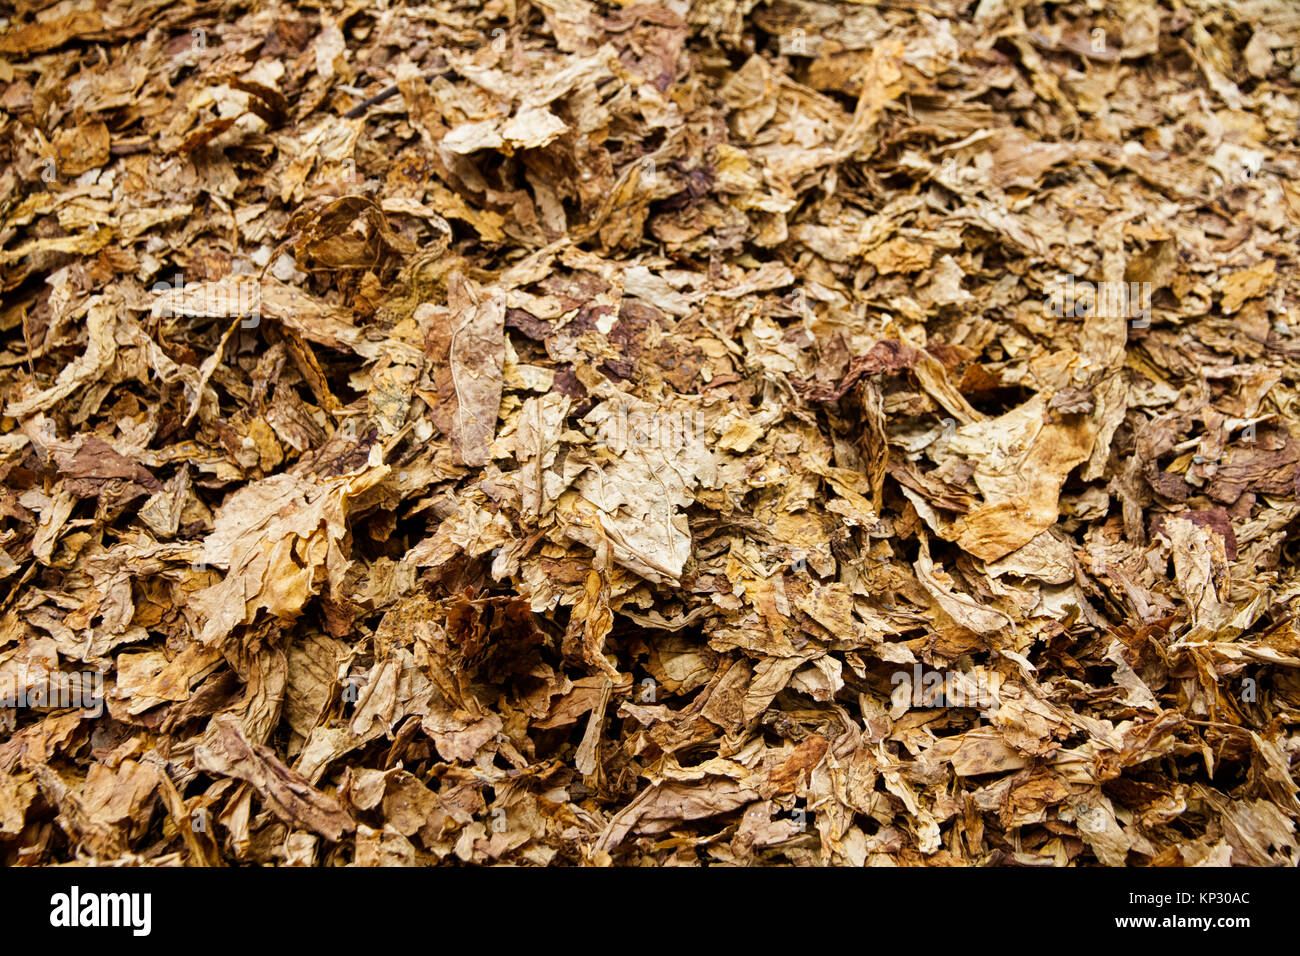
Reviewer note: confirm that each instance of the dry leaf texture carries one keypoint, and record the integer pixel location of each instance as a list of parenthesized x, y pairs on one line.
[(580, 433)]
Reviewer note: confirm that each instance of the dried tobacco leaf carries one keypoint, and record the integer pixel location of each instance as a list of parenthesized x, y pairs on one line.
[(806, 433)]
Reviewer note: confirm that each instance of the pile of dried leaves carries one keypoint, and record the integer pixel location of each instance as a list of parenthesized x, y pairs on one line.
[(565, 432)]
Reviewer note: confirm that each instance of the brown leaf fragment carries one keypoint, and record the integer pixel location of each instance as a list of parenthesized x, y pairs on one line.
[(82, 149), (661, 806), (16, 794), (288, 795), (467, 348), (1245, 284)]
